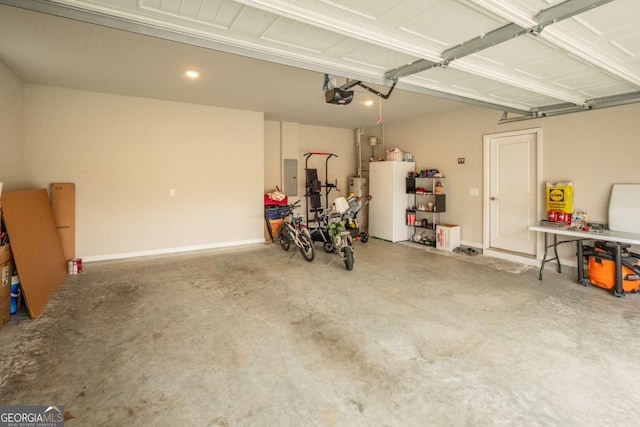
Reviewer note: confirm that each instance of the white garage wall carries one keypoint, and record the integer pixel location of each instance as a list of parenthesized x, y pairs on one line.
[(124, 154), (11, 131), (272, 156)]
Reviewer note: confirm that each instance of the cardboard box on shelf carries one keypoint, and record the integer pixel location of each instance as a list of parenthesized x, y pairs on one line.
[(447, 236), (5, 284)]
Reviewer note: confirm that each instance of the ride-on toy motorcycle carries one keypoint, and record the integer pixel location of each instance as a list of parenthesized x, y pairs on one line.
[(339, 240)]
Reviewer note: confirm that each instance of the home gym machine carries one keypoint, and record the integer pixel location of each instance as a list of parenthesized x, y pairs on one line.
[(314, 188)]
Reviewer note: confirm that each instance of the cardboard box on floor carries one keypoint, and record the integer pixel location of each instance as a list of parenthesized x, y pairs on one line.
[(6, 272), (447, 236), (275, 228)]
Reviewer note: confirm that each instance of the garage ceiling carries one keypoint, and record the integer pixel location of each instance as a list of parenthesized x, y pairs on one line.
[(526, 58)]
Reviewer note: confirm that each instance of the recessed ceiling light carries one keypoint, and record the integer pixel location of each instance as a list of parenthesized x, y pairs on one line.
[(368, 103), (192, 74)]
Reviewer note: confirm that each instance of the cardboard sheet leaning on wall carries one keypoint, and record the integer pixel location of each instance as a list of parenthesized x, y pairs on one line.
[(36, 246)]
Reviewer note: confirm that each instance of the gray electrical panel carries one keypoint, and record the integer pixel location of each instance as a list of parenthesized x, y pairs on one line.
[(290, 177)]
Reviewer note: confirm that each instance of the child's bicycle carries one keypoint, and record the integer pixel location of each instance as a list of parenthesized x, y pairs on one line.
[(293, 231)]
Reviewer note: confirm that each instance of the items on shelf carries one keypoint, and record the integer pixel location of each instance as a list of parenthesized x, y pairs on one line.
[(429, 207), (438, 189), (427, 204), (427, 173), (421, 239)]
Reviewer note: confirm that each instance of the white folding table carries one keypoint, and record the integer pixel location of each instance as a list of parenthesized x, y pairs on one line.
[(618, 239)]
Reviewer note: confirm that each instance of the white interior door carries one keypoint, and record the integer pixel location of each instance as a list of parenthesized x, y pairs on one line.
[(512, 191)]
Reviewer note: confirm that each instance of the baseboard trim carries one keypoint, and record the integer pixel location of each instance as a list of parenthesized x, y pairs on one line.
[(512, 257), (168, 251)]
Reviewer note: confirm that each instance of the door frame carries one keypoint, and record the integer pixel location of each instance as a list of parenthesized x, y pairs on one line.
[(486, 206)]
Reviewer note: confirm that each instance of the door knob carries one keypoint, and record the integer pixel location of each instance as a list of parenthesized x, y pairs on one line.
[(492, 198)]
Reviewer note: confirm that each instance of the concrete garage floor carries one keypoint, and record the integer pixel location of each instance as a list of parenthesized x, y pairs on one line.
[(257, 337)]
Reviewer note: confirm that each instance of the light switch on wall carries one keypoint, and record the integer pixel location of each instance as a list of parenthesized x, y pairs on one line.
[(172, 192), (474, 191)]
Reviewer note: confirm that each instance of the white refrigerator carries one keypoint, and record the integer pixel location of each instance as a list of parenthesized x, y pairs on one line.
[(388, 206)]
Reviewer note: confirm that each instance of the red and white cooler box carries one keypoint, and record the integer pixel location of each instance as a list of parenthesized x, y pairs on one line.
[(447, 236)]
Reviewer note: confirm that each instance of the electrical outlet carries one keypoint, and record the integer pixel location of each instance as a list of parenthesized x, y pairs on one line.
[(172, 192)]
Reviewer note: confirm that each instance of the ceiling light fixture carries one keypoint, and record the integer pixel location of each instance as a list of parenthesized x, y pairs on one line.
[(368, 103), (192, 74)]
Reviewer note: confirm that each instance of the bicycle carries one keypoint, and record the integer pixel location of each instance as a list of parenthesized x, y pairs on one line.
[(293, 231)]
